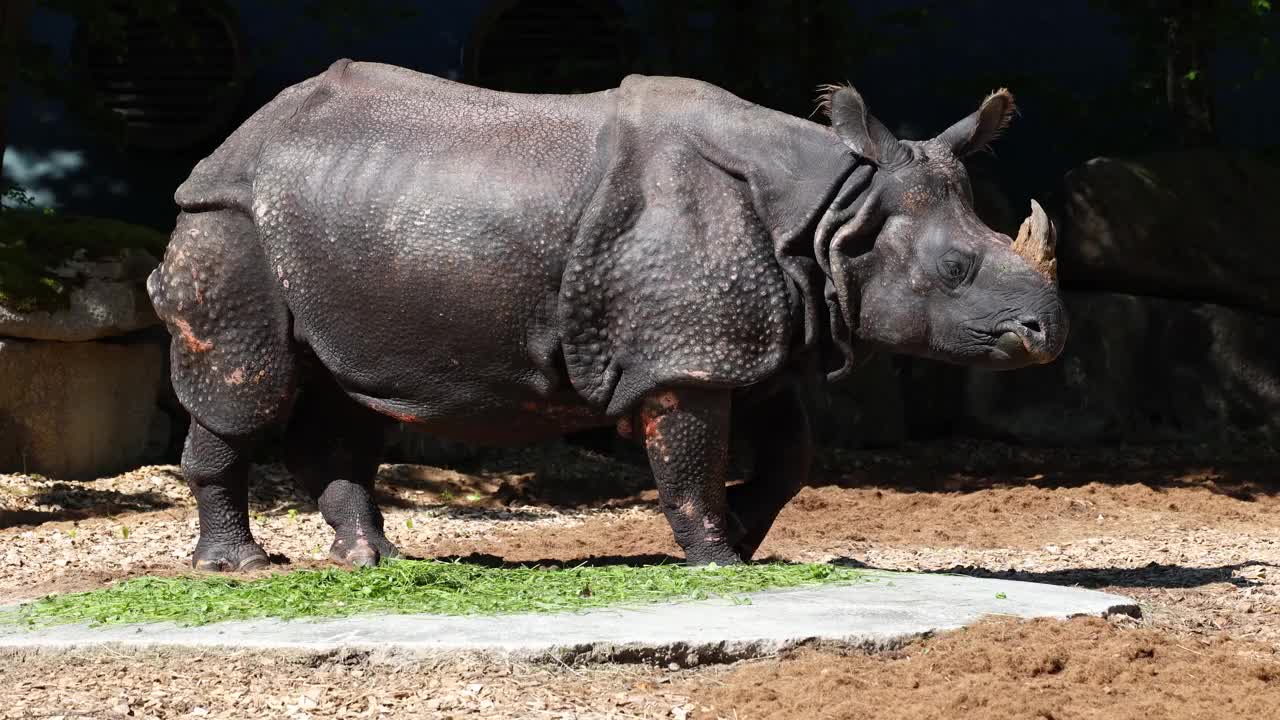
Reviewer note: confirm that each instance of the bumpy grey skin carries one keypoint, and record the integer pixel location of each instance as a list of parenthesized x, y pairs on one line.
[(377, 244)]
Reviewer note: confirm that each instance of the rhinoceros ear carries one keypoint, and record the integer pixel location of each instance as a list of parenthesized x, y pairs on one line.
[(977, 131), (859, 129)]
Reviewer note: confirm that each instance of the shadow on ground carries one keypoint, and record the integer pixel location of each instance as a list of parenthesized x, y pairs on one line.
[(564, 477), (1244, 472), (551, 476), (497, 561), (561, 476), (1151, 575), (74, 501)]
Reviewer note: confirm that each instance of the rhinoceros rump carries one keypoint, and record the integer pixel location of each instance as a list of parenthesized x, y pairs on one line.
[(375, 245)]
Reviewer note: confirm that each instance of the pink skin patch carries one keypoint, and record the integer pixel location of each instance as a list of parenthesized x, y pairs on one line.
[(390, 412), (651, 415), (401, 416), (193, 343), (713, 530), (625, 428)]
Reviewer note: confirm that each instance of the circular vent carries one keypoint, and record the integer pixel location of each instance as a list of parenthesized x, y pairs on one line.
[(172, 80), (557, 46)]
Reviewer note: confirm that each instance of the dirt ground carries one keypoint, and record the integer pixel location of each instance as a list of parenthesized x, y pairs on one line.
[(1192, 533)]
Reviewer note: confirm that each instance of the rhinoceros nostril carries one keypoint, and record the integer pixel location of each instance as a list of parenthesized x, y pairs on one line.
[(1031, 324)]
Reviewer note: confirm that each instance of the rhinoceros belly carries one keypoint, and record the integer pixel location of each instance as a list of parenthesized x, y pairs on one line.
[(432, 315)]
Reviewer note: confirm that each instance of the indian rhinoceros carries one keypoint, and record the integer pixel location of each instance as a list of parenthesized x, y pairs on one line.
[(376, 245)]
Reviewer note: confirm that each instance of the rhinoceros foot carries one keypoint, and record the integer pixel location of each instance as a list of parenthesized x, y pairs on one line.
[(230, 557), (361, 550)]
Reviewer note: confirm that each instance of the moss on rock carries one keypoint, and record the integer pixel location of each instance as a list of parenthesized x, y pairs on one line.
[(33, 246)]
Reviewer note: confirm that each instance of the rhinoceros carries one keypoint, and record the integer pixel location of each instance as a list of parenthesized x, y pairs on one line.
[(376, 245)]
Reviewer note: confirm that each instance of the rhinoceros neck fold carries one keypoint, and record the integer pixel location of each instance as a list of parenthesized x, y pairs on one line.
[(850, 207)]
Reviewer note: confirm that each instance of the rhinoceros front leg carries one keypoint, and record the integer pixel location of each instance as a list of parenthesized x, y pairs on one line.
[(686, 434), (332, 448), (778, 431)]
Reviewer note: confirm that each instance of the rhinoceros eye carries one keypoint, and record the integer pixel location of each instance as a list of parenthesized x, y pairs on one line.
[(953, 268)]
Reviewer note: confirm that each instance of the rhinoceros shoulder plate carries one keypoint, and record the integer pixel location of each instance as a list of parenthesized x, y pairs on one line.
[(677, 276)]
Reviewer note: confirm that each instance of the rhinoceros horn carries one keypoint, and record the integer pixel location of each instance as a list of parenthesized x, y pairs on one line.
[(1035, 242)]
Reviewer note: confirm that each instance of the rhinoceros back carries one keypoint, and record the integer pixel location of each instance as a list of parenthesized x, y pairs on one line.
[(400, 213)]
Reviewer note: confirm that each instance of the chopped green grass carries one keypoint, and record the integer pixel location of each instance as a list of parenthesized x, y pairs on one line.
[(411, 586)]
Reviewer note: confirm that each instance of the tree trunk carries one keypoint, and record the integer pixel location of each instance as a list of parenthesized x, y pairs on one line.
[(14, 16), (1188, 84)]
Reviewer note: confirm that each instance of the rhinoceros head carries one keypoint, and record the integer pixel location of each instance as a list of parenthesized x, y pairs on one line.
[(912, 269)]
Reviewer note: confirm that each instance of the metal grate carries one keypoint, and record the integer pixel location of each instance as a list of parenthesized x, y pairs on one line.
[(549, 46), (173, 82)]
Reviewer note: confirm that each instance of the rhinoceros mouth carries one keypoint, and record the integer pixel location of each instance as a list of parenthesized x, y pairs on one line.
[(1022, 342), (1009, 346)]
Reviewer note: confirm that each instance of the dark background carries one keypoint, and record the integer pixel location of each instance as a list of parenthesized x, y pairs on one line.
[(1089, 75), (1147, 128)]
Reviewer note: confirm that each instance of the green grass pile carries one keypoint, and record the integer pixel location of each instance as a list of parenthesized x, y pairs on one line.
[(410, 586)]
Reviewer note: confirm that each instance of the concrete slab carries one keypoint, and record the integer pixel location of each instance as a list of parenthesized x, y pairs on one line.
[(884, 612)]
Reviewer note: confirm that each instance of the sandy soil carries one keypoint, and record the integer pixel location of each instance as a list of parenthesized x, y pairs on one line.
[(1192, 533), (1084, 668)]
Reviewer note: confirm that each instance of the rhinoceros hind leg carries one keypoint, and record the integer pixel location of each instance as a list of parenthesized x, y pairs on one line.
[(333, 447), (686, 434), (233, 368), (778, 430), (217, 471)]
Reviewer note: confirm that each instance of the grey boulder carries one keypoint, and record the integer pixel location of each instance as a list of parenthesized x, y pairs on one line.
[(1194, 225), (111, 301)]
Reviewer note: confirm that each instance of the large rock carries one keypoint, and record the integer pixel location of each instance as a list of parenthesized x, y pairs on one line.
[(110, 300), (1139, 369), (1195, 225), (78, 410)]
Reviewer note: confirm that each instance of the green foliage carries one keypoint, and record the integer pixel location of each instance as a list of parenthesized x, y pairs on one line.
[(16, 197), (35, 244), (1248, 26), (1174, 47), (411, 586)]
